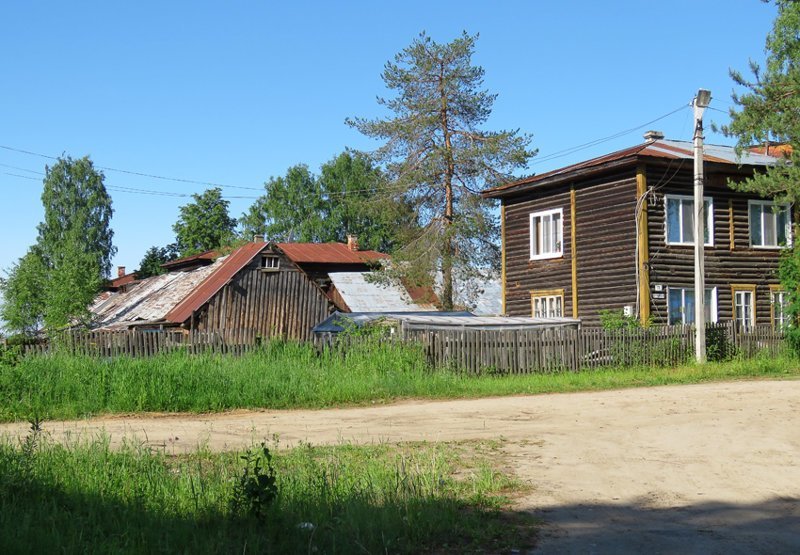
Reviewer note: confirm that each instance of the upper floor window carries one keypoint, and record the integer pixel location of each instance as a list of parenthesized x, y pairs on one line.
[(770, 224), (680, 220), (547, 234)]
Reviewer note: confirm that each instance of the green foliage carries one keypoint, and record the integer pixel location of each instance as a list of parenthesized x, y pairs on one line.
[(10, 355), (77, 212), (437, 158), (204, 224), (347, 198), (357, 203), (59, 277), (769, 111), (289, 375), (256, 488), (789, 273), (615, 320), (289, 210), (24, 294), (154, 258), (345, 499), (72, 285)]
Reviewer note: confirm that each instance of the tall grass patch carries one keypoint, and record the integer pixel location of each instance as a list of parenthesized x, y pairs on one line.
[(283, 375), (344, 499)]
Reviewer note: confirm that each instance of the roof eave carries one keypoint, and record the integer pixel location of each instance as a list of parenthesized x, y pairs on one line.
[(568, 175)]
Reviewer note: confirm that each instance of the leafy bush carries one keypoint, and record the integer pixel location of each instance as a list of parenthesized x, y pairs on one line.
[(616, 320), (256, 488)]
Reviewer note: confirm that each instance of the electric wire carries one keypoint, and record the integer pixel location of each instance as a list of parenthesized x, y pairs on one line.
[(389, 188)]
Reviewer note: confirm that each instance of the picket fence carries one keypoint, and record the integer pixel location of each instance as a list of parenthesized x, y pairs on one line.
[(467, 350)]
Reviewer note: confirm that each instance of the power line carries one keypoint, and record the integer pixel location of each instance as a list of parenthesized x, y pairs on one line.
[(571, 150), (22, 176), (140, 174), (386, 188)]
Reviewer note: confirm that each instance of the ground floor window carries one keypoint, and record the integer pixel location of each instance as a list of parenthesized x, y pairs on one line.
[(681, 305), (547, 303), (778, 306), (744, 305)]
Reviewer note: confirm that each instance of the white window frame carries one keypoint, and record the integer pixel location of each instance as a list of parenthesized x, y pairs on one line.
[(782, 321), (736, 290), (709, 219), (771, 204), (713, 313), (537, 242), (551, 301)]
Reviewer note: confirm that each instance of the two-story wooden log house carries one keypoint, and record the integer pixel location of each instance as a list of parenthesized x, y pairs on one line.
[(615, 232)]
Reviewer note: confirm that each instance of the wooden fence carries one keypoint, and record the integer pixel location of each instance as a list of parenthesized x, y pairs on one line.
[(468, 350), (145, 343), (567, 349)]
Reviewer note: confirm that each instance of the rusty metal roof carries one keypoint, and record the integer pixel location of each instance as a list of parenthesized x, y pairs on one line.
[(207, 255), (663, 148), (327, 253), (221, 275)]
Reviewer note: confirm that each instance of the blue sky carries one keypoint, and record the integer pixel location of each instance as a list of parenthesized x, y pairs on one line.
[(236, 92)]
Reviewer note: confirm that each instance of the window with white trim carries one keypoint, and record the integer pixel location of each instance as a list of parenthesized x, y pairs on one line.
[(681, 305), (680, 220), (770, 224), (778, 309), (547, 304), (744, 305), (547, 232)]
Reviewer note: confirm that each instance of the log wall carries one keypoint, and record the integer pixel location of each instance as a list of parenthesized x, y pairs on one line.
[(276, 304), (605, 246), (673, 265)]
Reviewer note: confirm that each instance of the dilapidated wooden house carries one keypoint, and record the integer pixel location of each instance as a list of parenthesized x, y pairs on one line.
[(274, 289)]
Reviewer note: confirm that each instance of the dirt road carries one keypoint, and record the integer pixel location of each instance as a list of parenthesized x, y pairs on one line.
[(712, 468)]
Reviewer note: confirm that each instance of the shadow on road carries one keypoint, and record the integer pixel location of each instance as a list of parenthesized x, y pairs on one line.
[(712, 527)]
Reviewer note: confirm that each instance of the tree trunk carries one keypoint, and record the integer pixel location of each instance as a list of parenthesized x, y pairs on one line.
[(448, 251)]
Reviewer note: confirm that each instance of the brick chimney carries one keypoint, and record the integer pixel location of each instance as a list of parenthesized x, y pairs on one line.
[(653, 136), (352, 242), (120, 271), (258, 238)]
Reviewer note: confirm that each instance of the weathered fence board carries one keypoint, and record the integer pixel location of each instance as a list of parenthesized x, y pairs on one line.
[(472, 351)]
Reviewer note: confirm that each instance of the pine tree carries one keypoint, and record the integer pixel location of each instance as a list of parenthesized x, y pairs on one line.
[(438, 158)]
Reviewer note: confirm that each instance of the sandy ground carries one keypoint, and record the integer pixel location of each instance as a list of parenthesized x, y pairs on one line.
[(712, 468)]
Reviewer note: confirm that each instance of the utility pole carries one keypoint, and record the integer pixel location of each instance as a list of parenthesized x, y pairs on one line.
[(700, 103)]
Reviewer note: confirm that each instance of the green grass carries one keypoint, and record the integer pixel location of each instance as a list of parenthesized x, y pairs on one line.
[(289, 375), (345, 499)]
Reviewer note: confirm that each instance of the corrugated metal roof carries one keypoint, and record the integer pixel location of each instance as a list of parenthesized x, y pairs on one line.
[(221, 275), (442, 320), (327, 253), (662, 148), (149, 299), (362, 295)]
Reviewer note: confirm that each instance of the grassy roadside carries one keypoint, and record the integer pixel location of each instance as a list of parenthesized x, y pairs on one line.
[(346, 499), (287, 375)]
